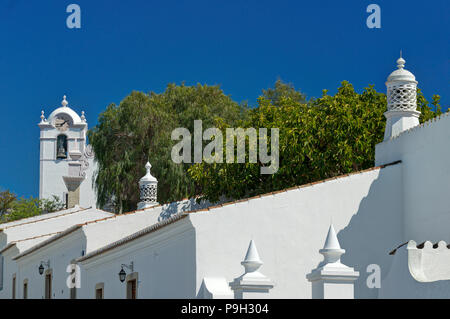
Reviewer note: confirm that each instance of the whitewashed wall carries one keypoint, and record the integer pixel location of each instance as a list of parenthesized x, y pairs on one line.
[(89, 237), (60, 254), (49, 225), (400, 284), (10, 266), (9, 269), (164, 260), (425, 153), (289, 229)]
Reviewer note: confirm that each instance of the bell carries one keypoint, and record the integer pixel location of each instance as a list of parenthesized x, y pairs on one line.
[(61, 152)]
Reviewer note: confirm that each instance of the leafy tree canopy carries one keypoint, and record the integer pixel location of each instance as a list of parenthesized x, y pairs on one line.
[(13, 208), (139, 129), (320, 138), (327, 137)]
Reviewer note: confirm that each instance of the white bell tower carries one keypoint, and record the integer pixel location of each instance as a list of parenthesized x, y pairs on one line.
[(402, 111), (66, 162)]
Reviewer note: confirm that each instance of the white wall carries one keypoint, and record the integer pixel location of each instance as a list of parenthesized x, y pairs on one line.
[(50, 225), (425, 153), (289, 229), (400, 284), (60, 255), (9, 268), (164, 260)]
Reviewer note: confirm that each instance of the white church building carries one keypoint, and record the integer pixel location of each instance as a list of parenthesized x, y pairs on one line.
[(377, 233)]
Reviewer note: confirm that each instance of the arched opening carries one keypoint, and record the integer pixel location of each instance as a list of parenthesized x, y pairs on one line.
[(61, 146)]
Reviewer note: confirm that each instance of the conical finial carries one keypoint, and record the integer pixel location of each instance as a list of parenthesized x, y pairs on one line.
[(251, 262), (147, 167), (64, 101), (401, 61), (331, 242), (332, 249)]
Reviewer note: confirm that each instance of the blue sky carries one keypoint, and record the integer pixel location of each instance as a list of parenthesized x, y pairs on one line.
[(242, 45)]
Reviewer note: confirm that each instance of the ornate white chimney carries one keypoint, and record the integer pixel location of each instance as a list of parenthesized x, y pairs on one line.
[(402, 111), (148, 187)]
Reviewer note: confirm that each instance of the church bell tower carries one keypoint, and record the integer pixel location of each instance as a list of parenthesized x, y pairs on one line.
[(66, 161)]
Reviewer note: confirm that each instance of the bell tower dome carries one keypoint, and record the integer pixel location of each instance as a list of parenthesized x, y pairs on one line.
[(66, 161), (402, 111)]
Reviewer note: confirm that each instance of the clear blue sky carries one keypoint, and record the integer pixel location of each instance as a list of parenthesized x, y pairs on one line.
[(242, 45)]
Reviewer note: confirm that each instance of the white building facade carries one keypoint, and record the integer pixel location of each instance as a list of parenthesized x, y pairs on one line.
[(389, 222), (66, 161)]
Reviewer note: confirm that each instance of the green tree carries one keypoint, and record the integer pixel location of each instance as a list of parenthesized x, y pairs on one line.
[(139, 129), (327, 137), (22, 208), (283, 91), (6, 200), (15, 209)]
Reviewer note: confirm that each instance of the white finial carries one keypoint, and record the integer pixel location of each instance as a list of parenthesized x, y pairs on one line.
[(332, 249), (64, 101), (401, 61), (148, 176), (252, 281), (251, 262), (83, 118), (331, 279), (42, 116)]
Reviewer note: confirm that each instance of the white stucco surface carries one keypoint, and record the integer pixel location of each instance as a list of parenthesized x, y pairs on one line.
[(303, 215), (92, 234), (289, 230), (50, 224), (425, 153), (164, 261)]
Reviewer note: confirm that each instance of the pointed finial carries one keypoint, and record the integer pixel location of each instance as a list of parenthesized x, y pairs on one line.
[(251, 262), (64, 101), (148, 176), (332, 249), (401, 61), (83, 118), (331, 242)]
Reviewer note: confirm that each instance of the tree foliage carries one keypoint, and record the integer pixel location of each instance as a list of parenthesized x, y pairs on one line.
[(6, 200), (139, 129), (327, 137), (320, 138), (13, 208)]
